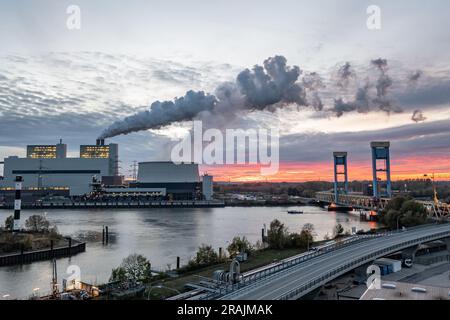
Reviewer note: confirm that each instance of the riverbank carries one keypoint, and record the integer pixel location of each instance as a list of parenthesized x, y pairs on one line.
[(164, 204)]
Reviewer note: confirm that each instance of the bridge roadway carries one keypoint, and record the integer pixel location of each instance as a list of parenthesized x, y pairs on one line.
[(305, 277)]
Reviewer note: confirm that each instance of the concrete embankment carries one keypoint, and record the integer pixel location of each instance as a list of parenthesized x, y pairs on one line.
[(22, 257)]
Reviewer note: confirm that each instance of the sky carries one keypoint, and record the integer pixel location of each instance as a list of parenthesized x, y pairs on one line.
[(57, 82)]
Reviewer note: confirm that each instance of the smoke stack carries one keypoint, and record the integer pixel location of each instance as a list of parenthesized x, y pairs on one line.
[(100, 142)]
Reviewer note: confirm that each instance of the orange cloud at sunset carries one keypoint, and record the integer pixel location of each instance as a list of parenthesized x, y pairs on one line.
[(402, 168)]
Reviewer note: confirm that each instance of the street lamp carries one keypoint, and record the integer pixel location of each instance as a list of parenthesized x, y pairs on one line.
[(159, 286), (398, 218)]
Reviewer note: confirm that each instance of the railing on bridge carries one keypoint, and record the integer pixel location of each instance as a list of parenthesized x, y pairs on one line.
[(252, 278), (358, 201), (317, 282)]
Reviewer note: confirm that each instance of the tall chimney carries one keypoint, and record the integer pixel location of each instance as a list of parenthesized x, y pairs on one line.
[(97, 142), (17, 203)]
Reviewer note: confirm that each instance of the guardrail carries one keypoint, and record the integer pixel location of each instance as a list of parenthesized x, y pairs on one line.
[(331, 248), (287, 264), (318, 281)]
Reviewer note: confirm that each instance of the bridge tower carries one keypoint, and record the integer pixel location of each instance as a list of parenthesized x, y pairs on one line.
[(381, 163), (340, 169)]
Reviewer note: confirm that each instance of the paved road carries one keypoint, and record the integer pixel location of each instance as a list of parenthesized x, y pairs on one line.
[(198, 294), (276, 286)]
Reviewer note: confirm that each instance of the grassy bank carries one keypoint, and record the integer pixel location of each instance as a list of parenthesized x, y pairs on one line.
[(257, 259)]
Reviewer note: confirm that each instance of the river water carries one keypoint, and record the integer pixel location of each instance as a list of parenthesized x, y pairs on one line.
[(159, 234)]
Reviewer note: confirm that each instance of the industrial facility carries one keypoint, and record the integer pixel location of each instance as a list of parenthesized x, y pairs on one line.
[(47, 171), (47, 166)]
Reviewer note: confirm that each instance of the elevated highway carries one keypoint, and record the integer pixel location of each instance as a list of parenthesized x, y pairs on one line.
[(304, 277)]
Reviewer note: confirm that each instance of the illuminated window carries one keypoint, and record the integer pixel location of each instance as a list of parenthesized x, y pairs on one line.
[(94, 152), (41, 152)]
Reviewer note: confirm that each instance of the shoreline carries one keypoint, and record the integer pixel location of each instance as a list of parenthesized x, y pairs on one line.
[(26, 257), (158, 204)]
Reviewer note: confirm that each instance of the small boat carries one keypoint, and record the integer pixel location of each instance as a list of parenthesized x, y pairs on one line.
[(339, 208), (295, 212)]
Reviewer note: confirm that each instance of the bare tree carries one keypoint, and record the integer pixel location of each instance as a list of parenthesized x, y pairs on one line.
[(37, 223)]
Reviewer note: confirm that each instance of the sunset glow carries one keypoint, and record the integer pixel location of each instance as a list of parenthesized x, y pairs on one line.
[(403, 168)]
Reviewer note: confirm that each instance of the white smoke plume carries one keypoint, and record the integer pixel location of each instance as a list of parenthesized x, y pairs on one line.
[(267, 87), (344, 75), (383, 84), (261, 88), (414, 77), (163, 113), (363, 102), (312, 82), (418, 116)]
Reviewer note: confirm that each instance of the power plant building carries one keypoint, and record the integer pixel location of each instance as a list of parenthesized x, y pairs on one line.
[(102, 151), (57, 151), (73, 173), (95, 172), (47, 167), (207, 187), (180, 181)]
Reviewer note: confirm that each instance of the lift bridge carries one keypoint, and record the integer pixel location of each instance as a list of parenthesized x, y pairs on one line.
[(381, 187)]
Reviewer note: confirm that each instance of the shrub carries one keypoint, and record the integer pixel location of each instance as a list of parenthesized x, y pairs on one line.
[(37, 223), (277, 236), (239, 245), (135, 268)]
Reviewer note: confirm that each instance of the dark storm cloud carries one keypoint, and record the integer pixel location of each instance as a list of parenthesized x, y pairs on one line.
[(420, 139)]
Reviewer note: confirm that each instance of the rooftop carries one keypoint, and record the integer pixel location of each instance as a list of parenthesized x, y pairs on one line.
[(406, 291)]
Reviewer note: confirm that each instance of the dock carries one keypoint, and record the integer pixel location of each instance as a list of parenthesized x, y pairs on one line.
[(119, 205)]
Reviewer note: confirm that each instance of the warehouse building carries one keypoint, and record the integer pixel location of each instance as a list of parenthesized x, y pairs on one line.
[(180, 181)]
